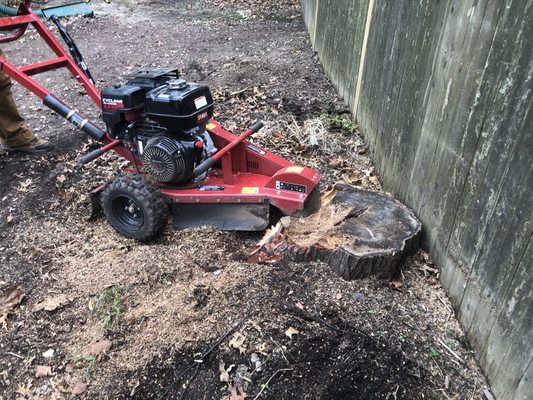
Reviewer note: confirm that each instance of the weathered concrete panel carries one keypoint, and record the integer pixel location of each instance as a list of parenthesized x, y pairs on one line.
[(442, 91)]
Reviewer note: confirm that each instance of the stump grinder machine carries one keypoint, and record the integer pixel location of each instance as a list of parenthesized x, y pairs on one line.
[(179, 159)]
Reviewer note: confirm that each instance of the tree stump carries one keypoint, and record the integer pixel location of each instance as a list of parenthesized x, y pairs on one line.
[(358, 233)]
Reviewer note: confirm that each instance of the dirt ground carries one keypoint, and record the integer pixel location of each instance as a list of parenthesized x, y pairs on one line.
[(186, 316)]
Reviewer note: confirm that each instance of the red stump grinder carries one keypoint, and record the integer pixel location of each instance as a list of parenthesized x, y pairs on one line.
[(179, 158)]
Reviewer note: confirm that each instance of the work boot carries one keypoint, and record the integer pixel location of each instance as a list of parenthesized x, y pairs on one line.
[(37, 145)]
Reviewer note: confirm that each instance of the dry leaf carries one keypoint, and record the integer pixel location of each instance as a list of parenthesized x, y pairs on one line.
[(396, 285), (291, 331), (53, 303), (263, 348), (24, 186), (237, 342), (224, 373), (43, 370), (9, 218), (300, 306), (25, 390), (79, 388), (236, 393), (98, 348), (9, 299)]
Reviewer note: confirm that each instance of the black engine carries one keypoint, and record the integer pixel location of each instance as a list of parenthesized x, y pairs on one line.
[(162, 119)]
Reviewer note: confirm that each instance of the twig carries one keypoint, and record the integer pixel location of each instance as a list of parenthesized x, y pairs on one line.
[(281, 348), (241, 91), (453, 353), (190, 380), (269, 379), (445, 305), (14, 355)]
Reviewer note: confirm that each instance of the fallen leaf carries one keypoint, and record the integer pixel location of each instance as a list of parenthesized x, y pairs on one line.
[(300, 306), (24, 186), (9, 299), (224, 373), (263, 348), (237, 342), (79, 388), (53, 303), (236, 393), (9, 218), (396, 285), (98, 348), (43, 370), (291, 331), (26, 390)]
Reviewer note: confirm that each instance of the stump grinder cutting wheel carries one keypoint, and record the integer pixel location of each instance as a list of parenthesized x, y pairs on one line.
[(179, 158)]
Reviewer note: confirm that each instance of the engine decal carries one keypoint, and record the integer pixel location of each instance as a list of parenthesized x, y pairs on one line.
[(200, 102), (256, 149), (112, 104), (201, 118), (210, 126), (250, 190), (293, 187)]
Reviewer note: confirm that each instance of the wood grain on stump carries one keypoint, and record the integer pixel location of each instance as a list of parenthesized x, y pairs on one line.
[(357, 232)]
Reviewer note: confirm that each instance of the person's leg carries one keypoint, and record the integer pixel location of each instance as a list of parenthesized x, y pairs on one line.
[(14, 132), (13, 129)]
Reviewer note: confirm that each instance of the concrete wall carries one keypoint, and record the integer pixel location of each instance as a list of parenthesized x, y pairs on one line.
[(442, 91)]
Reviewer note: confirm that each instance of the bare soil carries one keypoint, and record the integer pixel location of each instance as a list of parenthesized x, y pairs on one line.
[(110, 318)]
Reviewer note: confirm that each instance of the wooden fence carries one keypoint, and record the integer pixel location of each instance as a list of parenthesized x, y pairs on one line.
[(442, 91)]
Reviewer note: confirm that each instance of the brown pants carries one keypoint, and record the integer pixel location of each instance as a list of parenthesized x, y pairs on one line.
[(13, 129)]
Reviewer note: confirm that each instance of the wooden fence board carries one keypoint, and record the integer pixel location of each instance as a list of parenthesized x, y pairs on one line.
[(444, 101)]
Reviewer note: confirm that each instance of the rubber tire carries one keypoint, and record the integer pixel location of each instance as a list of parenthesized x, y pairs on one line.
[(147, 199)]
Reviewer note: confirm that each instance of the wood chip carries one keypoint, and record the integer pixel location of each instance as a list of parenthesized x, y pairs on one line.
[(79, 388), (100, 347), (43, 370), (53, 303)]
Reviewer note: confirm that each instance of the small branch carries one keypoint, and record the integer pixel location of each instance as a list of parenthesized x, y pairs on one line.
[(269, 379), (445, 305), (453, 353), (281, 349), (14, 355)]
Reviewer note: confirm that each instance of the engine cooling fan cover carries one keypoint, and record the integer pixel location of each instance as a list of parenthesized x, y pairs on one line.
[(166, 160)]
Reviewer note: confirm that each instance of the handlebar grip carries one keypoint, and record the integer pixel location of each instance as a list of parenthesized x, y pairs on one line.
[(258, 125), (200, 169), (93, 155)]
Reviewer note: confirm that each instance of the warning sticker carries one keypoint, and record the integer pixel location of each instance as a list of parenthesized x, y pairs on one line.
[(295, 169), (250, 190), (210, 126), (200, 102)]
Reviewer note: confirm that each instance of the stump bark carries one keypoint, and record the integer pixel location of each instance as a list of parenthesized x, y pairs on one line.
[(358, 233)]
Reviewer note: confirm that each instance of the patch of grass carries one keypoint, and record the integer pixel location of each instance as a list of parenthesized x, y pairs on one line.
[(433, 352), (88, 371), (108, 305), (341, 122)]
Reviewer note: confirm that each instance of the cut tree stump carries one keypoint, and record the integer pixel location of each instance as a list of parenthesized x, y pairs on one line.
[(358, 233)]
